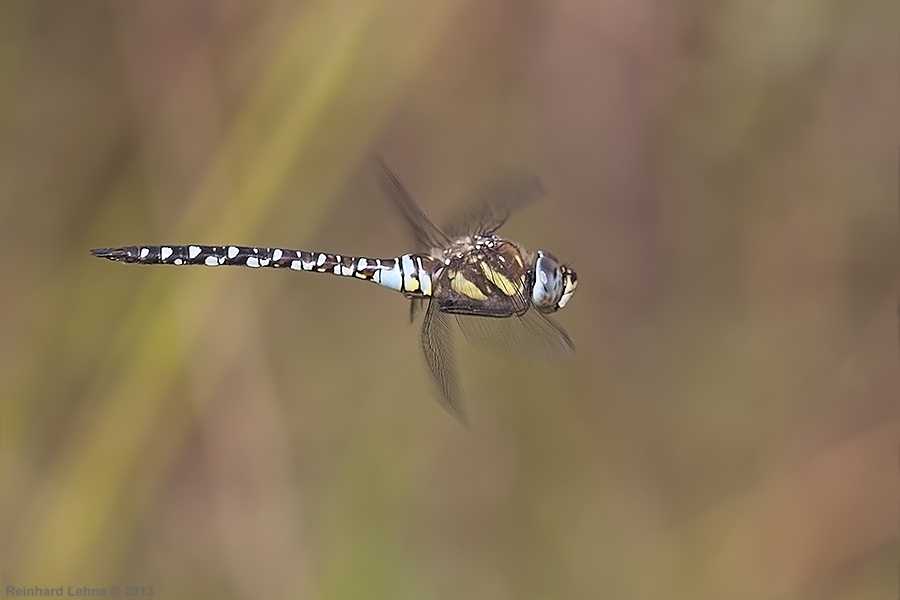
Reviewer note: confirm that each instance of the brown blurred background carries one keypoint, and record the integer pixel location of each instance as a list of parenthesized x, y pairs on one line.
[(723, 174)]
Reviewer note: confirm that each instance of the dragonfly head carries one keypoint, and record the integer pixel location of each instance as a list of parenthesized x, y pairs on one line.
[(554, 283)]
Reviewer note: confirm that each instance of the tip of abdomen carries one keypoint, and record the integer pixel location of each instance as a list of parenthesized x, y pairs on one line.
[(121, 254)]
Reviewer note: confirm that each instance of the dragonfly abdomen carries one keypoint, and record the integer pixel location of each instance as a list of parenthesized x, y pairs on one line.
[(410, 274)]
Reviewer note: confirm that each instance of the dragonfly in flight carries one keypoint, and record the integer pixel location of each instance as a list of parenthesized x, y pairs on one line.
[(500, 293)]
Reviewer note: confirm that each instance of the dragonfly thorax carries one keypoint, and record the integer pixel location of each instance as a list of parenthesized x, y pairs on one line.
[(485, 274), (482, 274)]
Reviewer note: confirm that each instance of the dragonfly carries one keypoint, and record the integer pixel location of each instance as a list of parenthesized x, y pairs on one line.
[(500, 293)]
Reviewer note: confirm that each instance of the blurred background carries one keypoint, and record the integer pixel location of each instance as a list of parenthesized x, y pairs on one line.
[(724, 176)]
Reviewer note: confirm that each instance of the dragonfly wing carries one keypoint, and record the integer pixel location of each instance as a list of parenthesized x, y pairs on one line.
[(531, 337), (424, 232), (496, 203), (416, 306), (437, 346)]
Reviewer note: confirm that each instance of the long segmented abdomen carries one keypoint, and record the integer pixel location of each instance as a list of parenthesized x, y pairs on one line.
[(410, 274)]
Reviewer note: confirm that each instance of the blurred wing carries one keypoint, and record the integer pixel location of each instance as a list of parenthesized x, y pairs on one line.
[(416, 306), (437, 346), (496, 203), (532, 337), (425, 233)]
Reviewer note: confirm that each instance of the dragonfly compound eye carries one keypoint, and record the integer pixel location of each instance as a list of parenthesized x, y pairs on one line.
[(549, 283)]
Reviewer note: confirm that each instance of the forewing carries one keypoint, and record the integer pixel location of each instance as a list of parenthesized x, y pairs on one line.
[(496, 203), (531, 337), (424, 232), (437, 346)]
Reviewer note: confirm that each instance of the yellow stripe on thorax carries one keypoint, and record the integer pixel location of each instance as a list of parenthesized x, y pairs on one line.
[(465, 287), (498, 279)]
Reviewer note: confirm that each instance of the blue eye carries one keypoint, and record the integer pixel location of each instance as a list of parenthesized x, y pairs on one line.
[(548, 283)]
